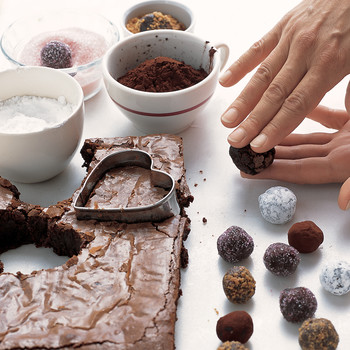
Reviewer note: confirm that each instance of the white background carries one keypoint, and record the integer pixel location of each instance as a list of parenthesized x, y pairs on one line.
[(221, 196)]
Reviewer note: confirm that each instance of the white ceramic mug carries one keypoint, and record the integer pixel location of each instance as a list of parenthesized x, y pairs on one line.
[(169, 112)]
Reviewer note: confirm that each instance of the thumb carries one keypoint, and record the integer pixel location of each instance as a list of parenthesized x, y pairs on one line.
[(344, 195)]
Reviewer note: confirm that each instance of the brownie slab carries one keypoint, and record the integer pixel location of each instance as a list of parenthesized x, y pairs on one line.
[(120, 287)]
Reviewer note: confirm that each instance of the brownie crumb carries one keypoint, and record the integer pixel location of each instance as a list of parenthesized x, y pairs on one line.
[(153, 21)]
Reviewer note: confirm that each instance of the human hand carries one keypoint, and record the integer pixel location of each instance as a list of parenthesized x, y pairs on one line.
[(315, 158), (305, 55)]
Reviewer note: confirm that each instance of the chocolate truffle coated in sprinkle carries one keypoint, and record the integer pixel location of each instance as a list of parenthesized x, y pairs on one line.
[(235, 326), (335, 277), (318, 334), (277, 205), (235, 244), (305, 236), (56, 54), (297, 304), (281, 259), (249, 161), (232, 345), (238, 284)]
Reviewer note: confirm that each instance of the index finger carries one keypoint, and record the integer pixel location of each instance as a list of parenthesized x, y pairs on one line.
[(250, 59)]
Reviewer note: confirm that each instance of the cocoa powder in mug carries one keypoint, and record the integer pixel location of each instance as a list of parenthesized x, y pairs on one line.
[(162, 74)]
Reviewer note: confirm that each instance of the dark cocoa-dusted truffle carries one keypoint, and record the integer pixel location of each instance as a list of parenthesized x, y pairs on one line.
[(249, 161), (281, 259), (305, 236), (235, 244), (318, 334), (238, 284), (232, 345), (235, 326), (297, 304)]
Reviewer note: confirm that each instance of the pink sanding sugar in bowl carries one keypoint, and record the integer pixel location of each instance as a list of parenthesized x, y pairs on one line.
[(81, 39), (86, 47)]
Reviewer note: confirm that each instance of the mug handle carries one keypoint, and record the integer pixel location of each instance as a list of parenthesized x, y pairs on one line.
[(224, 53)]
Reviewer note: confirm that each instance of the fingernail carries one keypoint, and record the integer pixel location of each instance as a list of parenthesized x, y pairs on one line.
[(348, 206), (230, 116), (259, 141), (237, 136), (225, 77)]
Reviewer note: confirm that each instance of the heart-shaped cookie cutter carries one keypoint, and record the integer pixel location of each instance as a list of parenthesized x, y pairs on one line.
[(162, 209)]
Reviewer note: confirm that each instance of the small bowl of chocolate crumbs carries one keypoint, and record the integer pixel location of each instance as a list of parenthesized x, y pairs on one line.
[(161, 80), (155, 14)]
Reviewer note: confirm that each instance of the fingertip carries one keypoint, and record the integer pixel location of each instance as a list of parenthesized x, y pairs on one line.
[(259, 142), (225, 78), (237, 137), (230, 117), (344, 196)]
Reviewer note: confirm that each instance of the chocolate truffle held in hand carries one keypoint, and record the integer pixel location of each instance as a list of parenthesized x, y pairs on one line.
[(249, 161)]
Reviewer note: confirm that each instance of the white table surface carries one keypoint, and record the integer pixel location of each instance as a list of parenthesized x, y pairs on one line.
[(221, 195)]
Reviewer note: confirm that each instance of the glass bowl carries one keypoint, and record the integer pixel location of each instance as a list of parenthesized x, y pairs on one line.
[(89, 36)]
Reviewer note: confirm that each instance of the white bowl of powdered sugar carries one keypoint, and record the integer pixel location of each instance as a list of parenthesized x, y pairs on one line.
[(41, 122)]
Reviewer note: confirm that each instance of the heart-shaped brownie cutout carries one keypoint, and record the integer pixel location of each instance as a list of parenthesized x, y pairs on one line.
[(146, 194)]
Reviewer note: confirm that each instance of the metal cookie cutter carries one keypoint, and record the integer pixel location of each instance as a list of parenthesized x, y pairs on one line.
[(163, 209)]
